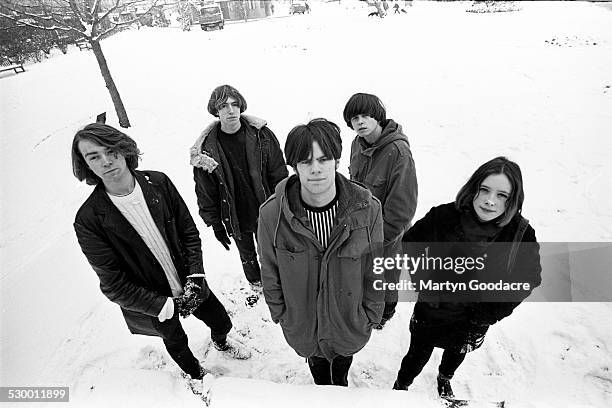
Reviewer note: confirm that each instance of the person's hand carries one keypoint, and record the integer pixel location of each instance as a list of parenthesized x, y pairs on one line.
[(192, 296), (221, 236), (197, 283)]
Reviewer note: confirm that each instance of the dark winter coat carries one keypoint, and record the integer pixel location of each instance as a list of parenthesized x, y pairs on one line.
[(322, 298), (214, 184), (387, 169), (464, 323), (129, 273)]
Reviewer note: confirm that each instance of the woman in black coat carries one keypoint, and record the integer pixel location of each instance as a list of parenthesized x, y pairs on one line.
[(484, 219)]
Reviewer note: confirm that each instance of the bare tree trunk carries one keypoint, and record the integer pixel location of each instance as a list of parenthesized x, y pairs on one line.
[(124, 122)]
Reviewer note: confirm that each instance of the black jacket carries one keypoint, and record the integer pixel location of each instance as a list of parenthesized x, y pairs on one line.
[(214, 185), (129, 273), (443, 224)]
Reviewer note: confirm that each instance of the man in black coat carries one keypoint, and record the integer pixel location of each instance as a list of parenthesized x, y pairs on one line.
[(237, 162), (139, 237)]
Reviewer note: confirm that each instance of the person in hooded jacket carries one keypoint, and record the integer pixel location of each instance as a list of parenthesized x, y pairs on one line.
[(381, 160), (484, 222), (317, 234), (237, 162)]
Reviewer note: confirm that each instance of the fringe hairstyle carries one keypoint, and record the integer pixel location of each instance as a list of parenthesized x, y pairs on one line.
[(298, 146), (106, 136), (219, 97), (364, 104)]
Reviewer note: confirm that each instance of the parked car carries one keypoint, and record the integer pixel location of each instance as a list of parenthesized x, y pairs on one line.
[(297, 7), (211, 16)]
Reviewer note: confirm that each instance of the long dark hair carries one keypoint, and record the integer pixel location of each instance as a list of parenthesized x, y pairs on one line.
[(498, 165), (106, 136)]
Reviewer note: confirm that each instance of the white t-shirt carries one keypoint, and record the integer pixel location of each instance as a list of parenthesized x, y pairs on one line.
[(134, 208)]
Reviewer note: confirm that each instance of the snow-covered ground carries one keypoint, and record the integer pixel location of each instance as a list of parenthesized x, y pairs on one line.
[(534, 85)]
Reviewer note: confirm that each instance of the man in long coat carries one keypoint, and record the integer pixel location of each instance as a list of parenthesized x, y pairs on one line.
[(139, 237)]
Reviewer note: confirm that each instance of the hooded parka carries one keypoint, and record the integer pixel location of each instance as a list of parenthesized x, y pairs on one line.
[(324, 299), (387, 169)]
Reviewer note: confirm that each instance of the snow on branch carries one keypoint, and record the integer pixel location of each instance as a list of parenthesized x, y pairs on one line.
[(110, 10), (35, 21), (94, 8), (92, 23), (115, 25)]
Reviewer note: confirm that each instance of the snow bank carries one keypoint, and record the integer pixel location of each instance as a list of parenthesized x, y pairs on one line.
[(234, 392)]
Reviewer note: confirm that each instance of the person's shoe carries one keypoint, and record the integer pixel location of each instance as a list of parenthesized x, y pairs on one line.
[(257, 289), (400, 386), (194, 382), (201, 375), (444, 387), (233, 349)]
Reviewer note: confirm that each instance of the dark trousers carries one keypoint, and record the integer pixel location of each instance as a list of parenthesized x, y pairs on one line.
[(248, 255), (326, 373), (418, 355), (214, 315)]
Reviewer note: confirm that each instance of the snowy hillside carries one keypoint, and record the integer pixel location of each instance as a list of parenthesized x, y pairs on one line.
[(533, 84)]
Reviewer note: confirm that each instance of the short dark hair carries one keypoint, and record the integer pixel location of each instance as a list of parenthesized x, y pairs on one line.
[(219, 96), (498, 165), (364, 104), (106, 136), (298, 146)]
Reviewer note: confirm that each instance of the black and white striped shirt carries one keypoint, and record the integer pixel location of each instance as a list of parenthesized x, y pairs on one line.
[(322, 219)]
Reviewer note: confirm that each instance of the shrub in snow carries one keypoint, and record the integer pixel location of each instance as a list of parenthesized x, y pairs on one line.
[(492, 6)]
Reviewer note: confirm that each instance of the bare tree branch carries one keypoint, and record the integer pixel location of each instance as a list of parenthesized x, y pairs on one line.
[(77, 12), (109, 11), (51, 20), (94, 8), (21, 21), (47, 22), (24, 21), (124, 23)]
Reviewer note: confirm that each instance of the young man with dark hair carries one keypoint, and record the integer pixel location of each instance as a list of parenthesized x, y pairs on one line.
[(317, 235), (381, 159), (237, 162), (139, 237)]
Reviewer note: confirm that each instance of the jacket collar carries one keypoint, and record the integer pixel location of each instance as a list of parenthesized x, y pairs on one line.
[(112, 217), (351, 198), (391, 132), (204, 159)]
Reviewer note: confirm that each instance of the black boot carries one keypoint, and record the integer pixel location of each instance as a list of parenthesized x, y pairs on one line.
[(398, 385), (444, 387)]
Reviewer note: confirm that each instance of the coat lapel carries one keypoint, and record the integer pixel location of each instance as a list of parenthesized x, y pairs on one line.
[(111, 217), (113, 220), (153, 202)]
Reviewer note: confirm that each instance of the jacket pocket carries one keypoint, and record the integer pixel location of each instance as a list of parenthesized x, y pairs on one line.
[(377, 185), (356, 244), (296, 282), (140, 323)]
